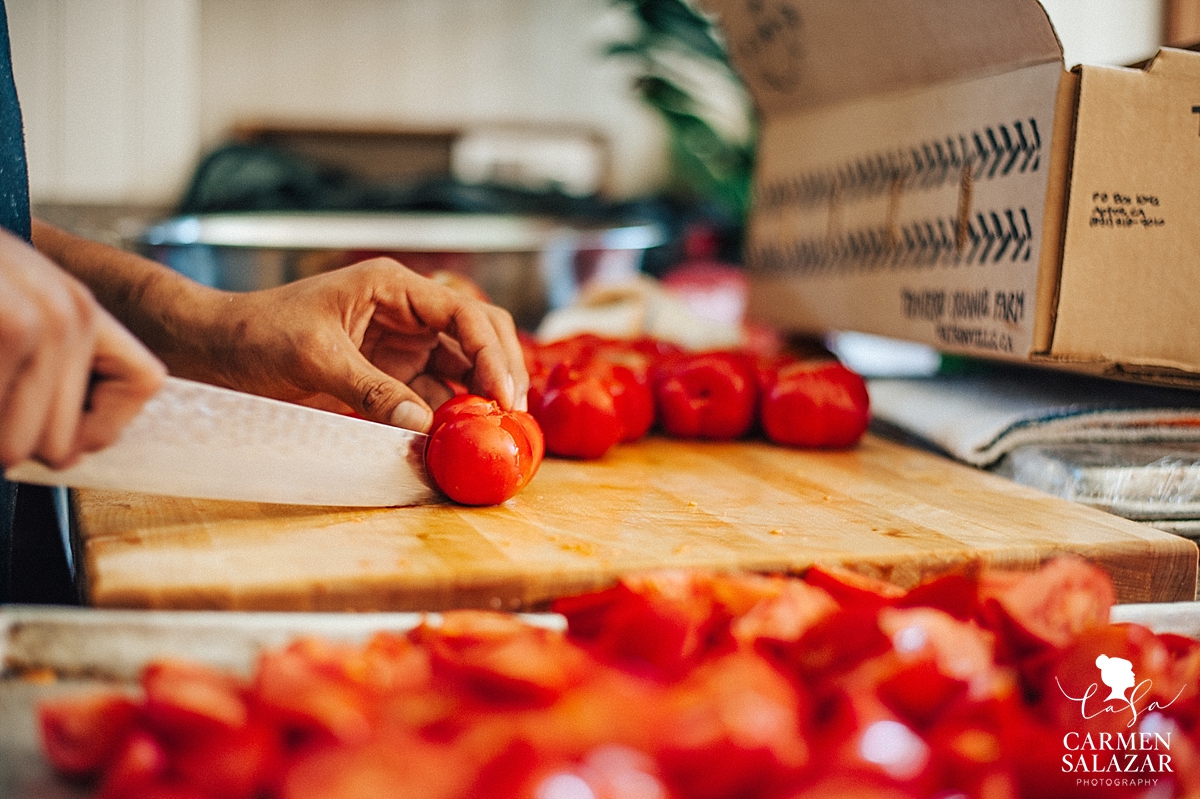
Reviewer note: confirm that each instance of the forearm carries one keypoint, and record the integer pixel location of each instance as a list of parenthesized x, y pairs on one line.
[(351, 339), (167, 311)]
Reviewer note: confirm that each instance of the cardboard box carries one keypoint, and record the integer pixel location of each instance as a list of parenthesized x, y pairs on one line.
[(928, 170)]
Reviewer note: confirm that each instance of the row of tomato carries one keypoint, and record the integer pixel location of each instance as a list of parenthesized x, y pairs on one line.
[(590, 393), (587, 394), (678, 686)]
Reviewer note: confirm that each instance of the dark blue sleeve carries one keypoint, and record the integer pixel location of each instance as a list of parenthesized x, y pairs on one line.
[(14, 177), (14, 216)]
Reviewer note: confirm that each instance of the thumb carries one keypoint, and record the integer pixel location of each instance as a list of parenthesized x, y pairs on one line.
[(376, 395)]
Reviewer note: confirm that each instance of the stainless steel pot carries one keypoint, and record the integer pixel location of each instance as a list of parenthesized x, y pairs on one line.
[(528, 265)]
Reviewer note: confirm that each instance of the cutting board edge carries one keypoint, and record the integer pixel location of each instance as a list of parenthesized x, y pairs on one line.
[(1177, 572)]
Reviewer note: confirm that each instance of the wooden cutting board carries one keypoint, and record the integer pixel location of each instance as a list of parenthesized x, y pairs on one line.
[(883, 509)]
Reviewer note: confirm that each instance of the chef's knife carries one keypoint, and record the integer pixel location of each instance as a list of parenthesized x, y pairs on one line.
[(197, 440)]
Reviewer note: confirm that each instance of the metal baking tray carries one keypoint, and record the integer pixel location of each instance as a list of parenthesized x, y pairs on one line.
[(526, 264), (1154, 482)]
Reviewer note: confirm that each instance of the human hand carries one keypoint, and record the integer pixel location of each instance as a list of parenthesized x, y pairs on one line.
[(71, 377), (375, 338)]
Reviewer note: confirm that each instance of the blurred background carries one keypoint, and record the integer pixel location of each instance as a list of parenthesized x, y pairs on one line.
[(122, 97), (606, 113)]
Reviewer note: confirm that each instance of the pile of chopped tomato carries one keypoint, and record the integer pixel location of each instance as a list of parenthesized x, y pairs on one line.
[(680, 686), (591, 393)]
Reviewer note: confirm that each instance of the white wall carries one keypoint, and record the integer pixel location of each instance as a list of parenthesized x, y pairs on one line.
[(122, 96), (425, 62), (109, 93), (1107, 31)]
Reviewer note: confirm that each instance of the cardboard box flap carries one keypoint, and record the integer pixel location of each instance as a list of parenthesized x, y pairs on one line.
[(797, 55), (1132, 245)]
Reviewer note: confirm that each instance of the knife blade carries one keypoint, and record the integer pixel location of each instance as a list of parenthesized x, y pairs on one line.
[(196, 440)]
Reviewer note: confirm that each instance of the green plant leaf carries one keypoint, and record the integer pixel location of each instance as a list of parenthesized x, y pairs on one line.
[(665, 95), (706, 166), (677, 21)]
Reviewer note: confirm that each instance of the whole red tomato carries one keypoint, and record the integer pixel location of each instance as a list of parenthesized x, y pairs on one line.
[(480, 454), (625, 366), (626, 380), (819, 404), (631, 393), (710, 395), (578, 413), (568, 383)]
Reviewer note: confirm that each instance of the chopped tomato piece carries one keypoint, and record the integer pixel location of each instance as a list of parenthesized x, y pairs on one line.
[(396, 766), (81, 734), (188, 699), (851, 588), (954, 593), (1057, 602), (787, 616), (1034, 614), (241, 764), (608, 772), (140, 766), (308, 701), (500, 660), (837, 643), (734, 729), (657, 624), (919, 692)]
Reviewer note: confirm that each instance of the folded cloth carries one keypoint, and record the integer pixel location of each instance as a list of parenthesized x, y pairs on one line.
[(978, 418)]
